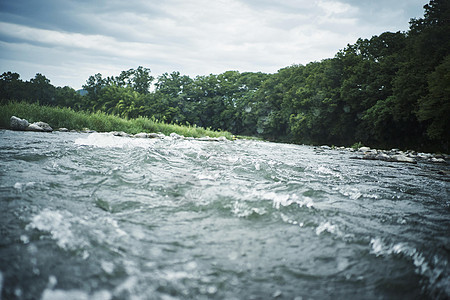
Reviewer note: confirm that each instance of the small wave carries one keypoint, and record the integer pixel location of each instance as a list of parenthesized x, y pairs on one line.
[(327, 171), (70, 232), (19, 186), (328, 227), (434, 270), (283, 200), (242, 210)]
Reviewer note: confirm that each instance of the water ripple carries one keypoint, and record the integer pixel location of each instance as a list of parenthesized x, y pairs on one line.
[(102, 216)]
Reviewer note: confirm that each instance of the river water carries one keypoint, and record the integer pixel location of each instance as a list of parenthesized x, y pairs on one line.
[(94, 216)]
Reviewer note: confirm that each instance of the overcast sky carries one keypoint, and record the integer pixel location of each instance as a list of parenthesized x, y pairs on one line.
[(69, 40)]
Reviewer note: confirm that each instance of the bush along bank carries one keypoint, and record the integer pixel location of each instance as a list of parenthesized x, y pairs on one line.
[(23, 125), (68, 119)]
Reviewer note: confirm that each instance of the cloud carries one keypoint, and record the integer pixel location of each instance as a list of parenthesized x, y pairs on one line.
[(70, 40)]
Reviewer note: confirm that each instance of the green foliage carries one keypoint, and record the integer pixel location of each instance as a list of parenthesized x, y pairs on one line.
[(357, 145), (434, 108)]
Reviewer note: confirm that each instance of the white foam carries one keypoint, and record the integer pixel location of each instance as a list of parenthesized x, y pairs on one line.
[(56, 224), (107, 266), (108, 140), (19, 186), (50, 294), (327, 226), (242, 210), (280, 200)]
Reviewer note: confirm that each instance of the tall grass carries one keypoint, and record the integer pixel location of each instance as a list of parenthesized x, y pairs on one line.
[(58, 117)]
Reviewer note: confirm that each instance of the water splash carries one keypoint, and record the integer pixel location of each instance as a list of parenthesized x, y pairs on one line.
[(55, 223)]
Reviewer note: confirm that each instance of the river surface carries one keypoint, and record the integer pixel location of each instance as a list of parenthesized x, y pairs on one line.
[(94, 216)]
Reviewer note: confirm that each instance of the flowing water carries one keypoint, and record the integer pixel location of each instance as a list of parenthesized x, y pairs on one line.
[(94, 216)]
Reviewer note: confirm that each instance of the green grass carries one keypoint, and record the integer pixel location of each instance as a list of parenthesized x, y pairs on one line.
[(58, 117)]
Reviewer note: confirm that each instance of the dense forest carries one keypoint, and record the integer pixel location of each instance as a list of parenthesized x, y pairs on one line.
[(392, 90)]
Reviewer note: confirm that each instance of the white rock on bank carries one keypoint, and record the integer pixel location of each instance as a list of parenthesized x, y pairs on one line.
[(364, 149), (403, 158), (141, 135), (34, 127), (16, 123), (155, 135), (438, 160), (176, 136), (44, 126)]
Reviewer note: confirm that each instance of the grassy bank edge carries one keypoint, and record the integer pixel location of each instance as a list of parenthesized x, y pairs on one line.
[(63, 117)]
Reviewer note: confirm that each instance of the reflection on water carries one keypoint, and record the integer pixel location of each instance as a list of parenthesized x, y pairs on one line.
[(104, 217)]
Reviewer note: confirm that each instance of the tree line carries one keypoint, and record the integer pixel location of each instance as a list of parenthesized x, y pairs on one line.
[(392, 90)]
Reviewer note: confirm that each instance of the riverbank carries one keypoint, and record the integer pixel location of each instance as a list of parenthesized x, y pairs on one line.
[(66, 119), (391, 155), (58, 117)]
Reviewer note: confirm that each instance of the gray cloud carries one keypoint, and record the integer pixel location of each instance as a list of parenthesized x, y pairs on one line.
[(70, 40)]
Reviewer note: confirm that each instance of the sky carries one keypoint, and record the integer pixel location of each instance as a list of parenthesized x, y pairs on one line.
[(70, 40)]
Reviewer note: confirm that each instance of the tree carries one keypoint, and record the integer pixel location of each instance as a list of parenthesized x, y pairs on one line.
[(42, 90), (139, 80), (12, 87), (434, 108), (93, 86)]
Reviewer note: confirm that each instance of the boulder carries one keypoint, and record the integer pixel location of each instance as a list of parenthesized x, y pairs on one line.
[(364, 149), (141, 135), (391, 158), (403, 158), (153, 135), (34, 127), (18, 123), (120, 133), (438, 160), (176, 136), (63, 129), (222, 139), (44, 126)]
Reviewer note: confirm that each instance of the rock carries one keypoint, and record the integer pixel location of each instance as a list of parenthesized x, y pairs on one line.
[(34, 127), (325, 147), (153, 135), (63, 129), (120, 133), (403, 158), (438, 160), (371, 151), (386, 157), (176, 136), (16, 123), (141, 135), (44, 126), (87, 130), (39, 127), (364, 149), (382, 156), (205, 139)]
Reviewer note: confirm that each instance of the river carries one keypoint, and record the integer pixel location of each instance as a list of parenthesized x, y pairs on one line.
[(95, 216)]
